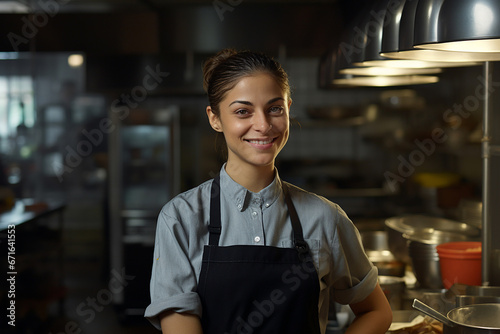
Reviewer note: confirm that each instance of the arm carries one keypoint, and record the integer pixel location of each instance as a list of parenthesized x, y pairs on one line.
[(185, 323), (173, 277), (373, 314)]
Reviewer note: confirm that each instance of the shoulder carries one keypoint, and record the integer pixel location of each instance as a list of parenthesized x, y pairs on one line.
[(188, 203), (302, 197)]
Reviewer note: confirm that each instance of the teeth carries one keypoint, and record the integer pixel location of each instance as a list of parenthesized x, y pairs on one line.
[(260, 142)]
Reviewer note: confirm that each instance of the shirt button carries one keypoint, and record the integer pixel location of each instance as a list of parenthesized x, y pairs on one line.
[(240, 206), (254, 214), (268, 205), (256, 239)]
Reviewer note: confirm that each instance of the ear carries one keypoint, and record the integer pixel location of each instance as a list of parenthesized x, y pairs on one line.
[(289, 103), (214, 120)]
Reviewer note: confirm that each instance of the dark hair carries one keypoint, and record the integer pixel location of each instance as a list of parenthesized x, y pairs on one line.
[(223, 71)]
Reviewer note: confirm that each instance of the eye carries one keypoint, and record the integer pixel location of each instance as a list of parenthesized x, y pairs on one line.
[(241, 112), (277, 110)]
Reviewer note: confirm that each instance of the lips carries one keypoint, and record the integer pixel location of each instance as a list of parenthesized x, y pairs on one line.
[(261, 143)]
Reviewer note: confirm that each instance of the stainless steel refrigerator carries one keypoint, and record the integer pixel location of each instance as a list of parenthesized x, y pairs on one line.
[(143, 176)]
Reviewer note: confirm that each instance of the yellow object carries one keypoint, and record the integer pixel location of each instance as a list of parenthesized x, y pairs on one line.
[(437, 180)]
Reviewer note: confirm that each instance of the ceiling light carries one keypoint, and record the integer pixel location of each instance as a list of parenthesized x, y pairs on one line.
[(388, 71), (398, 37), (381, 81), (75, 60), (465, 26), (381, 13)]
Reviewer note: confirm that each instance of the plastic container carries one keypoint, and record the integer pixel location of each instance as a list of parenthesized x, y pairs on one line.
[(460, 262)]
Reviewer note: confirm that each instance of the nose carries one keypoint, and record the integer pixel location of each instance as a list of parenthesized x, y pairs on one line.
[(262, 122)]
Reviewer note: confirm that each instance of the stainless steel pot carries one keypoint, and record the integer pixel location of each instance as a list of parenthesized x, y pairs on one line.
[(464, 300), (470, 319)]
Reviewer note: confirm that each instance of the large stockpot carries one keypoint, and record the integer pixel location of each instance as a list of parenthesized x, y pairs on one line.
[(470, 319), (409, 224), (463, 300), (483, 290)]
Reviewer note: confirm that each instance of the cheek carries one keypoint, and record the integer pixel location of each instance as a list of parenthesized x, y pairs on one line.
[(285, 137), (282, 124), (236, 129)]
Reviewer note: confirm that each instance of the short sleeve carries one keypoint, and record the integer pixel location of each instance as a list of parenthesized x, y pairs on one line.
[(353, 277), (173, 279)]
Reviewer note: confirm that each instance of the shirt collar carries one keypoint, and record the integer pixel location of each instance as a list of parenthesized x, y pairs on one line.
[(243, 198)]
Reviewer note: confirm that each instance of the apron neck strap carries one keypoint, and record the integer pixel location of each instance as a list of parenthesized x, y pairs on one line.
[(298, 236), (214, 227)]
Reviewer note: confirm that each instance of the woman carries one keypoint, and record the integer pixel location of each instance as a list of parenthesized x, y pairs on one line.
[(249, 253)]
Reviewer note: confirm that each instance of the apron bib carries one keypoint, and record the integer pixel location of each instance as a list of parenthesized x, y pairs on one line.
[(257, 289)]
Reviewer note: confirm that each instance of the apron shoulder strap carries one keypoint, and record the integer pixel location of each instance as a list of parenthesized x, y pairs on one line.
[(298, 236), (214, 226)]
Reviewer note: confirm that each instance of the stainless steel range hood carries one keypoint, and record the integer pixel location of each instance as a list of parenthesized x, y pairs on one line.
[(302, 28), (119, 44)]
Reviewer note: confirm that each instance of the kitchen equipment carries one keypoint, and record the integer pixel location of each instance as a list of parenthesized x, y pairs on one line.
[(409, 224), (377, 250), (460, 262), (464, 300), (442, 301), (471, 319), (482, 290), (471, 212), (144, 157), (424, 257), (425, 265), (374, 240), (434, 237)]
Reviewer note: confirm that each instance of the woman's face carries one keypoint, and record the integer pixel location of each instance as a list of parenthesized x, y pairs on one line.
[(254, 117)]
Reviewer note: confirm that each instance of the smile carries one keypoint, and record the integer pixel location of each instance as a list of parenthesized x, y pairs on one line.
[(261, 142)]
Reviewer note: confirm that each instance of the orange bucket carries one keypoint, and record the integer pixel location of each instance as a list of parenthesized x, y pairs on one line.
[(460, 262)]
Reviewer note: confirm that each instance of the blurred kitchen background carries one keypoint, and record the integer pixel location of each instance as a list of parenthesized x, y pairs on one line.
[(102, 120)]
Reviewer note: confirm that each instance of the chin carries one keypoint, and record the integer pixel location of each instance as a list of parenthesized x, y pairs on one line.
[(264, 163)]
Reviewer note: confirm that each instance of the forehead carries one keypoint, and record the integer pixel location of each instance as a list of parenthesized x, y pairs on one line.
[(259, 84)]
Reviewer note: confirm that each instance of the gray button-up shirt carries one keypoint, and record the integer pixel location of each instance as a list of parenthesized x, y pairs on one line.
[(249, 218)]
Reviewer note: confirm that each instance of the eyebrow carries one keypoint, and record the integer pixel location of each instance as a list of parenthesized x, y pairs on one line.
[(248, 103)]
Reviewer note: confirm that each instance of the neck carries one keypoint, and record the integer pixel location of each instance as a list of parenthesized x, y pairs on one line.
[(252, 178)]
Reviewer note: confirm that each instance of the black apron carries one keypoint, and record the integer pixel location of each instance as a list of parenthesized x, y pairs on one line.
[(257, 289)]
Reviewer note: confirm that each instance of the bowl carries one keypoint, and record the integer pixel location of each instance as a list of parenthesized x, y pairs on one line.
[(436, 237)]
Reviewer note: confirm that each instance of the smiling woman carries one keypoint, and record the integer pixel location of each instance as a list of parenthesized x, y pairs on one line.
[(247, 252), (254, 118)]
